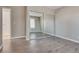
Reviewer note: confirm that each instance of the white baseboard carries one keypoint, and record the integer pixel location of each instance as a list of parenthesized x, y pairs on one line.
[(63, 37), (18, 37), (1, 46), (37, 31), (49, 34), (27, 38), (67, 38)]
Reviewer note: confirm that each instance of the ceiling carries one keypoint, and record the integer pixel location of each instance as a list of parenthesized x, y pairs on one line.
[(53, 7)]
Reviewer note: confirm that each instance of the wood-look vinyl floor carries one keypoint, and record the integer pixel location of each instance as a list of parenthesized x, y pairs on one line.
[(44, 45)]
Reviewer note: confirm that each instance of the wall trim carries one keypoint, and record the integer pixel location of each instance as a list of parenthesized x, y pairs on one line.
[(63, 37), (45, 33), (35, 31), (67, 38), (18, 37), (49, 33), (27, 38)]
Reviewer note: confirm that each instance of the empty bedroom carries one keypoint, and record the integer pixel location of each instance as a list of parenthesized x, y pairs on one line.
[(39, 29)]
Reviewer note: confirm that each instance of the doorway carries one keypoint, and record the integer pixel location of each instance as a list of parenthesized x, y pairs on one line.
[(6, 23), (35, 26)]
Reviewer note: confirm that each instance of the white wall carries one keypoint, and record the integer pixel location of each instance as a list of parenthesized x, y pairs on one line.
[(47, 19), (18, 19), (67, 23), (49, 24)]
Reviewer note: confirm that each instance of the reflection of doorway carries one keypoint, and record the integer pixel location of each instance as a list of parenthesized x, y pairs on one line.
[(6, 23)]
